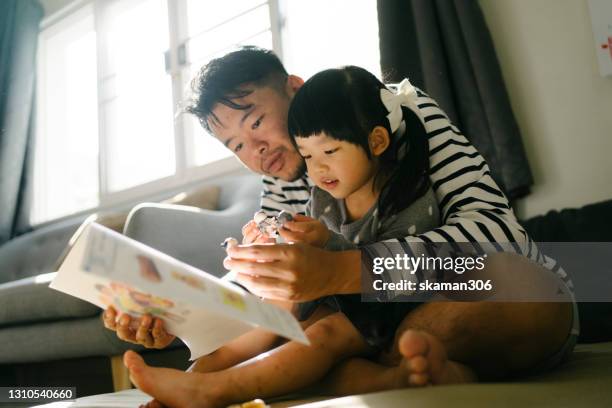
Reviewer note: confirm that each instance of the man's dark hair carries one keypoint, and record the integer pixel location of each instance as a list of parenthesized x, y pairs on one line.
[(222, 80)]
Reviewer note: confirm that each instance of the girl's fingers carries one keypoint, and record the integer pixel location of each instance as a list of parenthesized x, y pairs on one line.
[(250, 233), (249, 226)]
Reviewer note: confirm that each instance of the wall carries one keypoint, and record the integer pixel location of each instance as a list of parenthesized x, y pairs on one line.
[(562, 104)]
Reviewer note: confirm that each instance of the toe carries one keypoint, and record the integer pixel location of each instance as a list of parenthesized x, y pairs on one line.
[(418, 365), (418, 380), (132, 360), (413, 343)]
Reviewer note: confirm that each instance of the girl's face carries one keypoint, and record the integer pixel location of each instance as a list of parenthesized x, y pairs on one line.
[(338, 167)]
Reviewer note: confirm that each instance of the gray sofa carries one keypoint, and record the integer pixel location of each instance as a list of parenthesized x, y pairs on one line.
[(41, 324)]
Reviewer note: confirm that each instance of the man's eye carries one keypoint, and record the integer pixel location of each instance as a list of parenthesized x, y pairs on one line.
[(238, 147), (332, 151), (256, 124)]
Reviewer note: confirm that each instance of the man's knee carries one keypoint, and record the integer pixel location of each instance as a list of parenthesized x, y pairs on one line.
[(515, 278), (541, 329)]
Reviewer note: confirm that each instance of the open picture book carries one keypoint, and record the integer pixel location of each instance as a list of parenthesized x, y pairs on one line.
[(106, 268)]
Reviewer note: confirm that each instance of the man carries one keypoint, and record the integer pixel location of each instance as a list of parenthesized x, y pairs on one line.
[(243, 100)]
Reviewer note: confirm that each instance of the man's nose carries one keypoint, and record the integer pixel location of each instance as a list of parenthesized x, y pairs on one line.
[(262, 148)]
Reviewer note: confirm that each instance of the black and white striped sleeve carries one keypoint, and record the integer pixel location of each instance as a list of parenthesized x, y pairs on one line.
[(278, 195), (472, 207)]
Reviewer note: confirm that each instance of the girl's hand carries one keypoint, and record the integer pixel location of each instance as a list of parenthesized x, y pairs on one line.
[(252, 235), (305, 229)]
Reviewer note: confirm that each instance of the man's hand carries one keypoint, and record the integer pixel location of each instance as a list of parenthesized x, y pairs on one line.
[(295, 272), (146, 331), (305, 229), (252, 235)]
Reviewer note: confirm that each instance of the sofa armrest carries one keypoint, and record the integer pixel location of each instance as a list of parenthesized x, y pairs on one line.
[(189, 234)]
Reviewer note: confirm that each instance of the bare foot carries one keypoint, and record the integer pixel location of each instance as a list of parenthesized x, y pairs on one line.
[(153, 404), (425, 362), (169, 387)]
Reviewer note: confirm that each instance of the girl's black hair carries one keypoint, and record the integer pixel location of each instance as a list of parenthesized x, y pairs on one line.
[(345, 104)]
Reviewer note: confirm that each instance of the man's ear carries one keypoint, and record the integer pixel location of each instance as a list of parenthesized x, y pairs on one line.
[(294, 83), (379, 140)]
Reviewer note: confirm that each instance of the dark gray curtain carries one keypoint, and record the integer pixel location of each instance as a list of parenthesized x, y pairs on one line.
[(445, 48), (19, 20)]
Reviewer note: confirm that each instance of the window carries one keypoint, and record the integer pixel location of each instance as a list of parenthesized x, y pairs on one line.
[(136, 106), (66, 157), (112, 75)]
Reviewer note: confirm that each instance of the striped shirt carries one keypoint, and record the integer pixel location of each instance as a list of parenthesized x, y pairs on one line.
[(472, 206)]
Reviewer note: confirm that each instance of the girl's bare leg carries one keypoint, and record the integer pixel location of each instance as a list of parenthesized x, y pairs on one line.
[(245, 347), (285, 369), (250, 344)]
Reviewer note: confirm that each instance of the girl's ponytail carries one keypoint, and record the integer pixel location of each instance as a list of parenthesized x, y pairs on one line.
[(405, 166)]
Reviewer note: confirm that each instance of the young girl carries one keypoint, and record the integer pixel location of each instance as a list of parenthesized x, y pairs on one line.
[(366, 150)]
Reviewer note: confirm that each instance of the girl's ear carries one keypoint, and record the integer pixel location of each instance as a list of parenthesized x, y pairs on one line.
[(379, 140)]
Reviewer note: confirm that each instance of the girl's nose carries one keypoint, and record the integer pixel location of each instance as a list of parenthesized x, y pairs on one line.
[(321, 167)]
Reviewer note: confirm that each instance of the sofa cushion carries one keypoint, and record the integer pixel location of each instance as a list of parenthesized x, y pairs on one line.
[(205, 198), (36, 252), (590, 223), (31, 300)]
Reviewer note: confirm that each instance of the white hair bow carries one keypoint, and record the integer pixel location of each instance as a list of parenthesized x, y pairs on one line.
[(405, 95)]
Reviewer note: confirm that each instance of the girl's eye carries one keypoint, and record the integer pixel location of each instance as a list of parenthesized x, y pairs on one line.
[(256, 124), (238, 147), (332, 151), (306, 157)]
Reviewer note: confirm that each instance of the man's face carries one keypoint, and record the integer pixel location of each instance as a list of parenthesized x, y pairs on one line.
[(258, 136)]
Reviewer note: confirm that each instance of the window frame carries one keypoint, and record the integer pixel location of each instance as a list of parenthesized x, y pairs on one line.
[(186, 171)]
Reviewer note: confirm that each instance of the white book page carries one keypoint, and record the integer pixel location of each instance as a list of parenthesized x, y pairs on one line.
[(107, 268)]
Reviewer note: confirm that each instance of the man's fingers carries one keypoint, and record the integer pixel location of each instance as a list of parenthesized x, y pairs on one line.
[(161, 337), (270, 269), (302, 218), (264, 286), (143, 334), (260, 252), (292, 236), (124, 332), (305, 226), (109, 317)]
